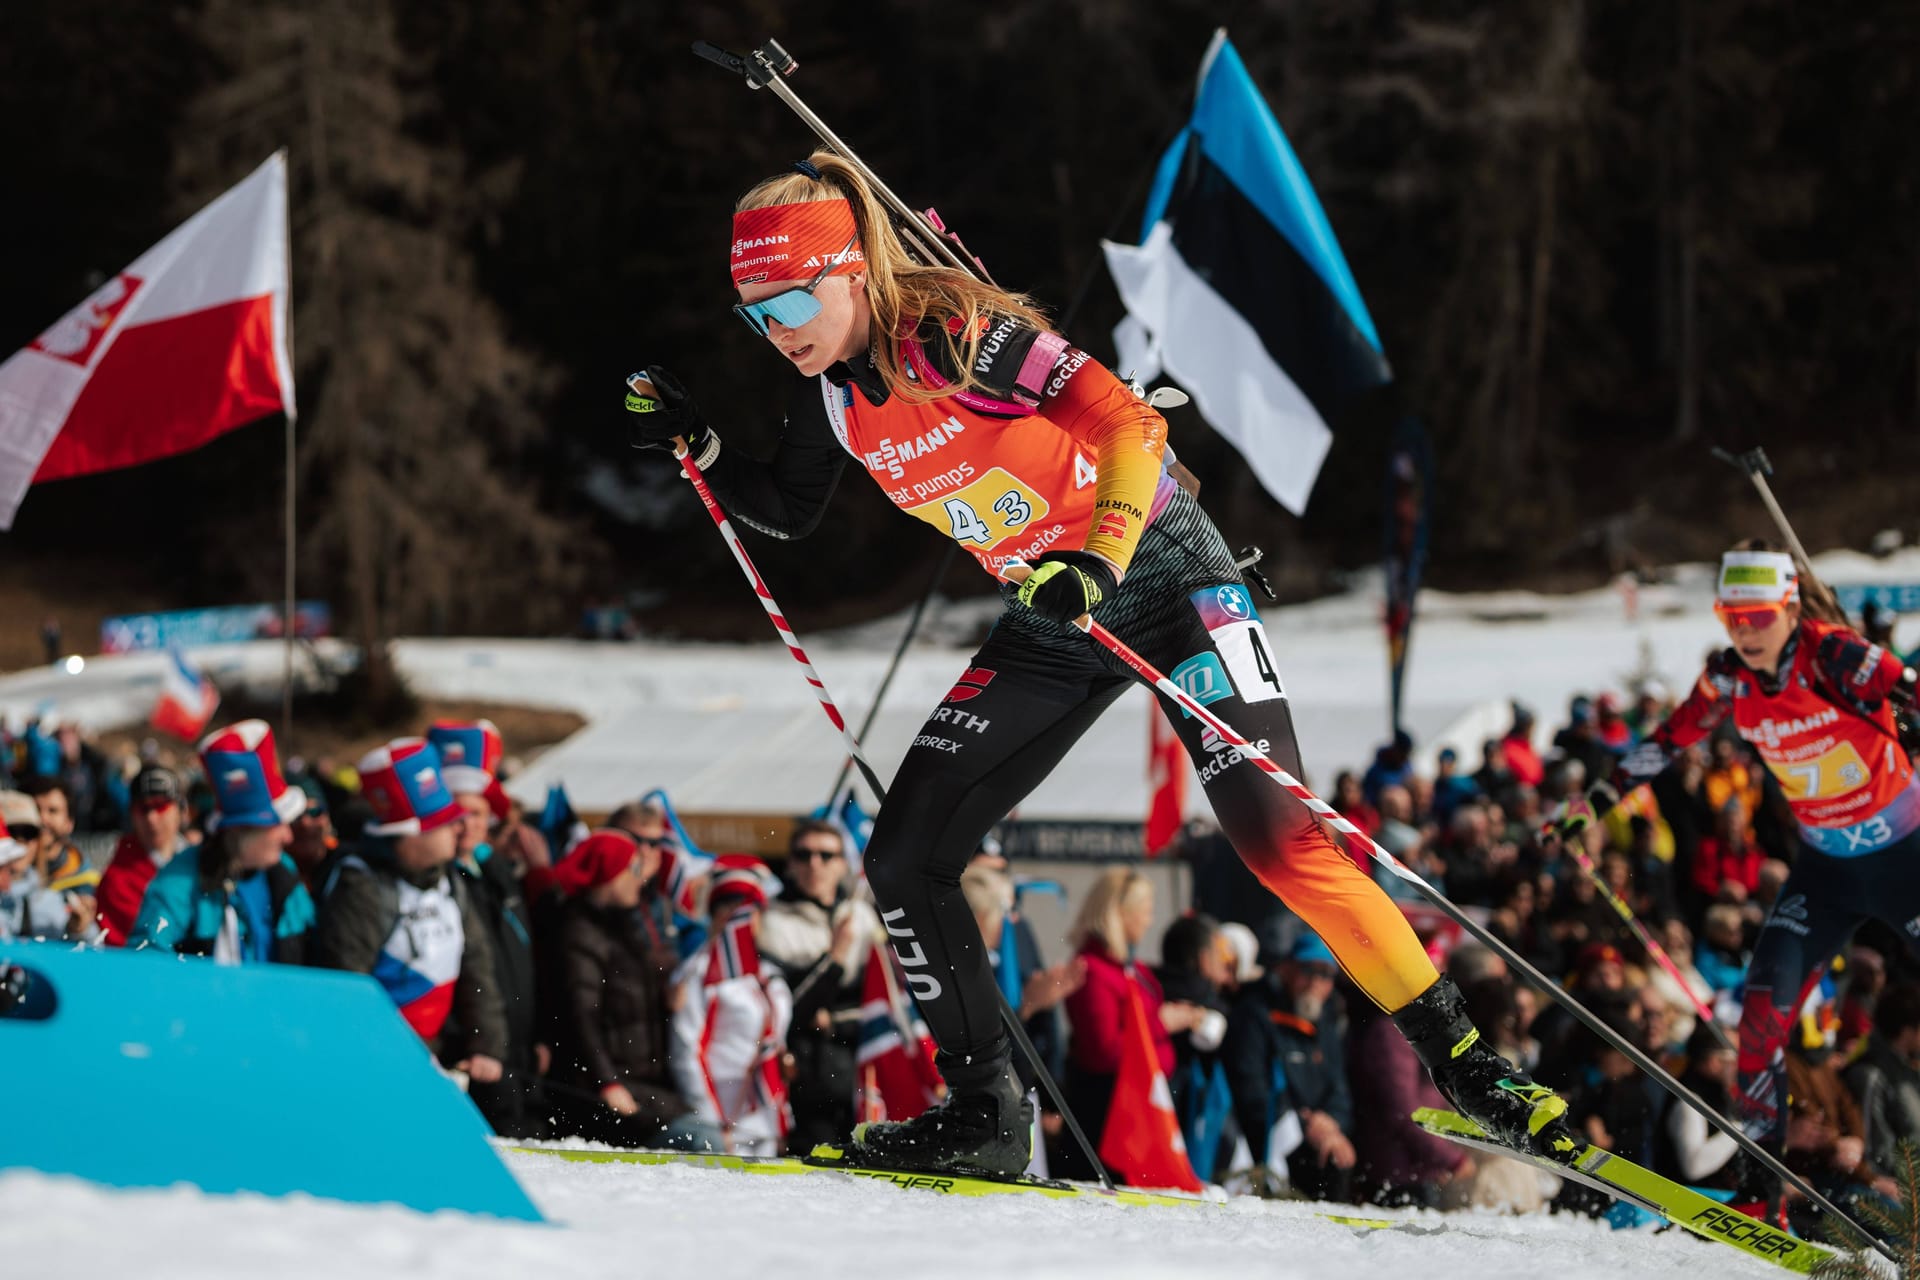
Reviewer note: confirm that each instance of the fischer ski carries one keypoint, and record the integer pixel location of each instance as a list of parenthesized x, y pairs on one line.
[(827, 1160), (1634, 1184)]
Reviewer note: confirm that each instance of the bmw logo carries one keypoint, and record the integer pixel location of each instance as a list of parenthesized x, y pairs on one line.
[(1235, 602)]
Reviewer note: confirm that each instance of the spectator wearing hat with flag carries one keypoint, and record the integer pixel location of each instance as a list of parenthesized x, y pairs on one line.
[(396, 911), (731, 1015), (1287, 1067), (235, 897), (611, 1026), (470, 755), (152, 838)]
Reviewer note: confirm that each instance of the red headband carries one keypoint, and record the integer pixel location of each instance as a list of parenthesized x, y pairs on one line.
[(794, 241)]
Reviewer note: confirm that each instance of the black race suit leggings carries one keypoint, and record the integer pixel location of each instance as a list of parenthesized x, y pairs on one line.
[(1028, 695)]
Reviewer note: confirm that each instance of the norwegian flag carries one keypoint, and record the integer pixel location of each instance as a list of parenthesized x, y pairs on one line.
[(187, 699), (895, 1055), (733, 953), (682, 862)]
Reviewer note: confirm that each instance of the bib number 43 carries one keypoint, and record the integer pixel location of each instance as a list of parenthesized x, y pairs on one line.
[(997, 505)]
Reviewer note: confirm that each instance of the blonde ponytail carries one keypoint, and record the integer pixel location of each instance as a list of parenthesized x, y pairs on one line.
[(901, 292)]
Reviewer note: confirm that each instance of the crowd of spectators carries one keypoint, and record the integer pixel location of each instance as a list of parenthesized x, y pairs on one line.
[(618, 990), (1650, 924)]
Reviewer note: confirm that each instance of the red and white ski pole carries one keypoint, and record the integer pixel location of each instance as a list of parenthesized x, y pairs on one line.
[(1653, 948), (1015, 571), (767, 602), (1008, 1017)]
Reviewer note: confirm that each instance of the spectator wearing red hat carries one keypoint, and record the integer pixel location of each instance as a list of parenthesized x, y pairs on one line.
[(236, 897), (610, 1052), (731, 1015), (470, 754), (151, 840), (395, 911)]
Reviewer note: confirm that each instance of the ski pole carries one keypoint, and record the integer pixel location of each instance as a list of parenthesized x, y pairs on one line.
[(1007, 1016), (1819, 597), (692, 472), (1015, 571), (1654, 949)]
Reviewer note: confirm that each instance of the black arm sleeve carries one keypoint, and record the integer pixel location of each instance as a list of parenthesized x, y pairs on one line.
[(785, 497)]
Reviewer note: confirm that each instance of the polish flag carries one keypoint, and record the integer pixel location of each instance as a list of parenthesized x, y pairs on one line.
[(1142, 1142), (187, 700), (1166, 782), (185, 344)]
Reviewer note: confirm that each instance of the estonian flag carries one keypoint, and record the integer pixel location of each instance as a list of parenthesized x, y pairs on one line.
[(1239, 290)]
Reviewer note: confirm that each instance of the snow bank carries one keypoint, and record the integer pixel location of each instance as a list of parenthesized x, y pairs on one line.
[(617, 1222)]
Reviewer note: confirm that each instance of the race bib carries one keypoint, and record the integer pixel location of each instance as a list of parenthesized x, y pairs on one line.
[(1834, 774), (1228, 614), (994, 507)]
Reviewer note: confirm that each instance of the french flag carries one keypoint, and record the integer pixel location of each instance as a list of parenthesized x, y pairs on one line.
[(187, 699), (185, 344)]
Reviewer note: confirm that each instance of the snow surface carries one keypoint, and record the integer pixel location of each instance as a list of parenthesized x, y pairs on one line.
[(734, 728), (628, 1222)]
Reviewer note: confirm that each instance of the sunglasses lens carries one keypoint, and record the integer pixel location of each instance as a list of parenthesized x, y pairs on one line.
[(793, 308), (1750, 619)]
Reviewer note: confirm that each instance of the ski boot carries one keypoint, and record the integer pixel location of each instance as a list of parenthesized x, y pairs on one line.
[(1483, 1086), (983, 1128)]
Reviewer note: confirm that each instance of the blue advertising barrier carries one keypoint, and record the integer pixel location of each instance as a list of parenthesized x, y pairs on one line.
[(230, 624), (1897, 597), (263, 1078)]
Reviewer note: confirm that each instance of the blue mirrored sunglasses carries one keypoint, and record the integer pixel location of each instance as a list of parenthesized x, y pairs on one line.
[(791, 307)]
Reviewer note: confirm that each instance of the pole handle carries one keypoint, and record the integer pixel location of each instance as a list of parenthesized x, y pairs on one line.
[(1018, 571), (640, 386)]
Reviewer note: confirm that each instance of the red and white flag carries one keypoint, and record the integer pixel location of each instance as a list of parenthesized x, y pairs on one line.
[(1166, 782), (187, 343), (1142, 1142), (187, 700)]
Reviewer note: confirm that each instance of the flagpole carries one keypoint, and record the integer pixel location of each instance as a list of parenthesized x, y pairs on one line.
[(292, 416)]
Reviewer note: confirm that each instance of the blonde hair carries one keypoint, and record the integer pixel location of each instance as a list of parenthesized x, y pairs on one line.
[(988, 891), (1100, 912), (902, 292)]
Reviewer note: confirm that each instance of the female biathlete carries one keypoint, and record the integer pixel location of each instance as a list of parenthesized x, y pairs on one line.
[(974, 416), (1818, 703)]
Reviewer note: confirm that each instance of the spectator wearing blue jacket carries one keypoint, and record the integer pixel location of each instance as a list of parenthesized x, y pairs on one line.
[(237, 897), (1283, 1053), (1392, 767)]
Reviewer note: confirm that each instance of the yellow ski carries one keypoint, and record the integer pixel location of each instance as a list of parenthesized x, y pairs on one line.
[(828, 1160), (1624, 1180)]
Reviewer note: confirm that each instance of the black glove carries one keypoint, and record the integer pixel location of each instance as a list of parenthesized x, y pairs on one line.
[(1066, 584), (656, 419)]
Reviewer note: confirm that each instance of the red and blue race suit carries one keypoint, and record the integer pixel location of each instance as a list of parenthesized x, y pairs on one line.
[(1824, 724)]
